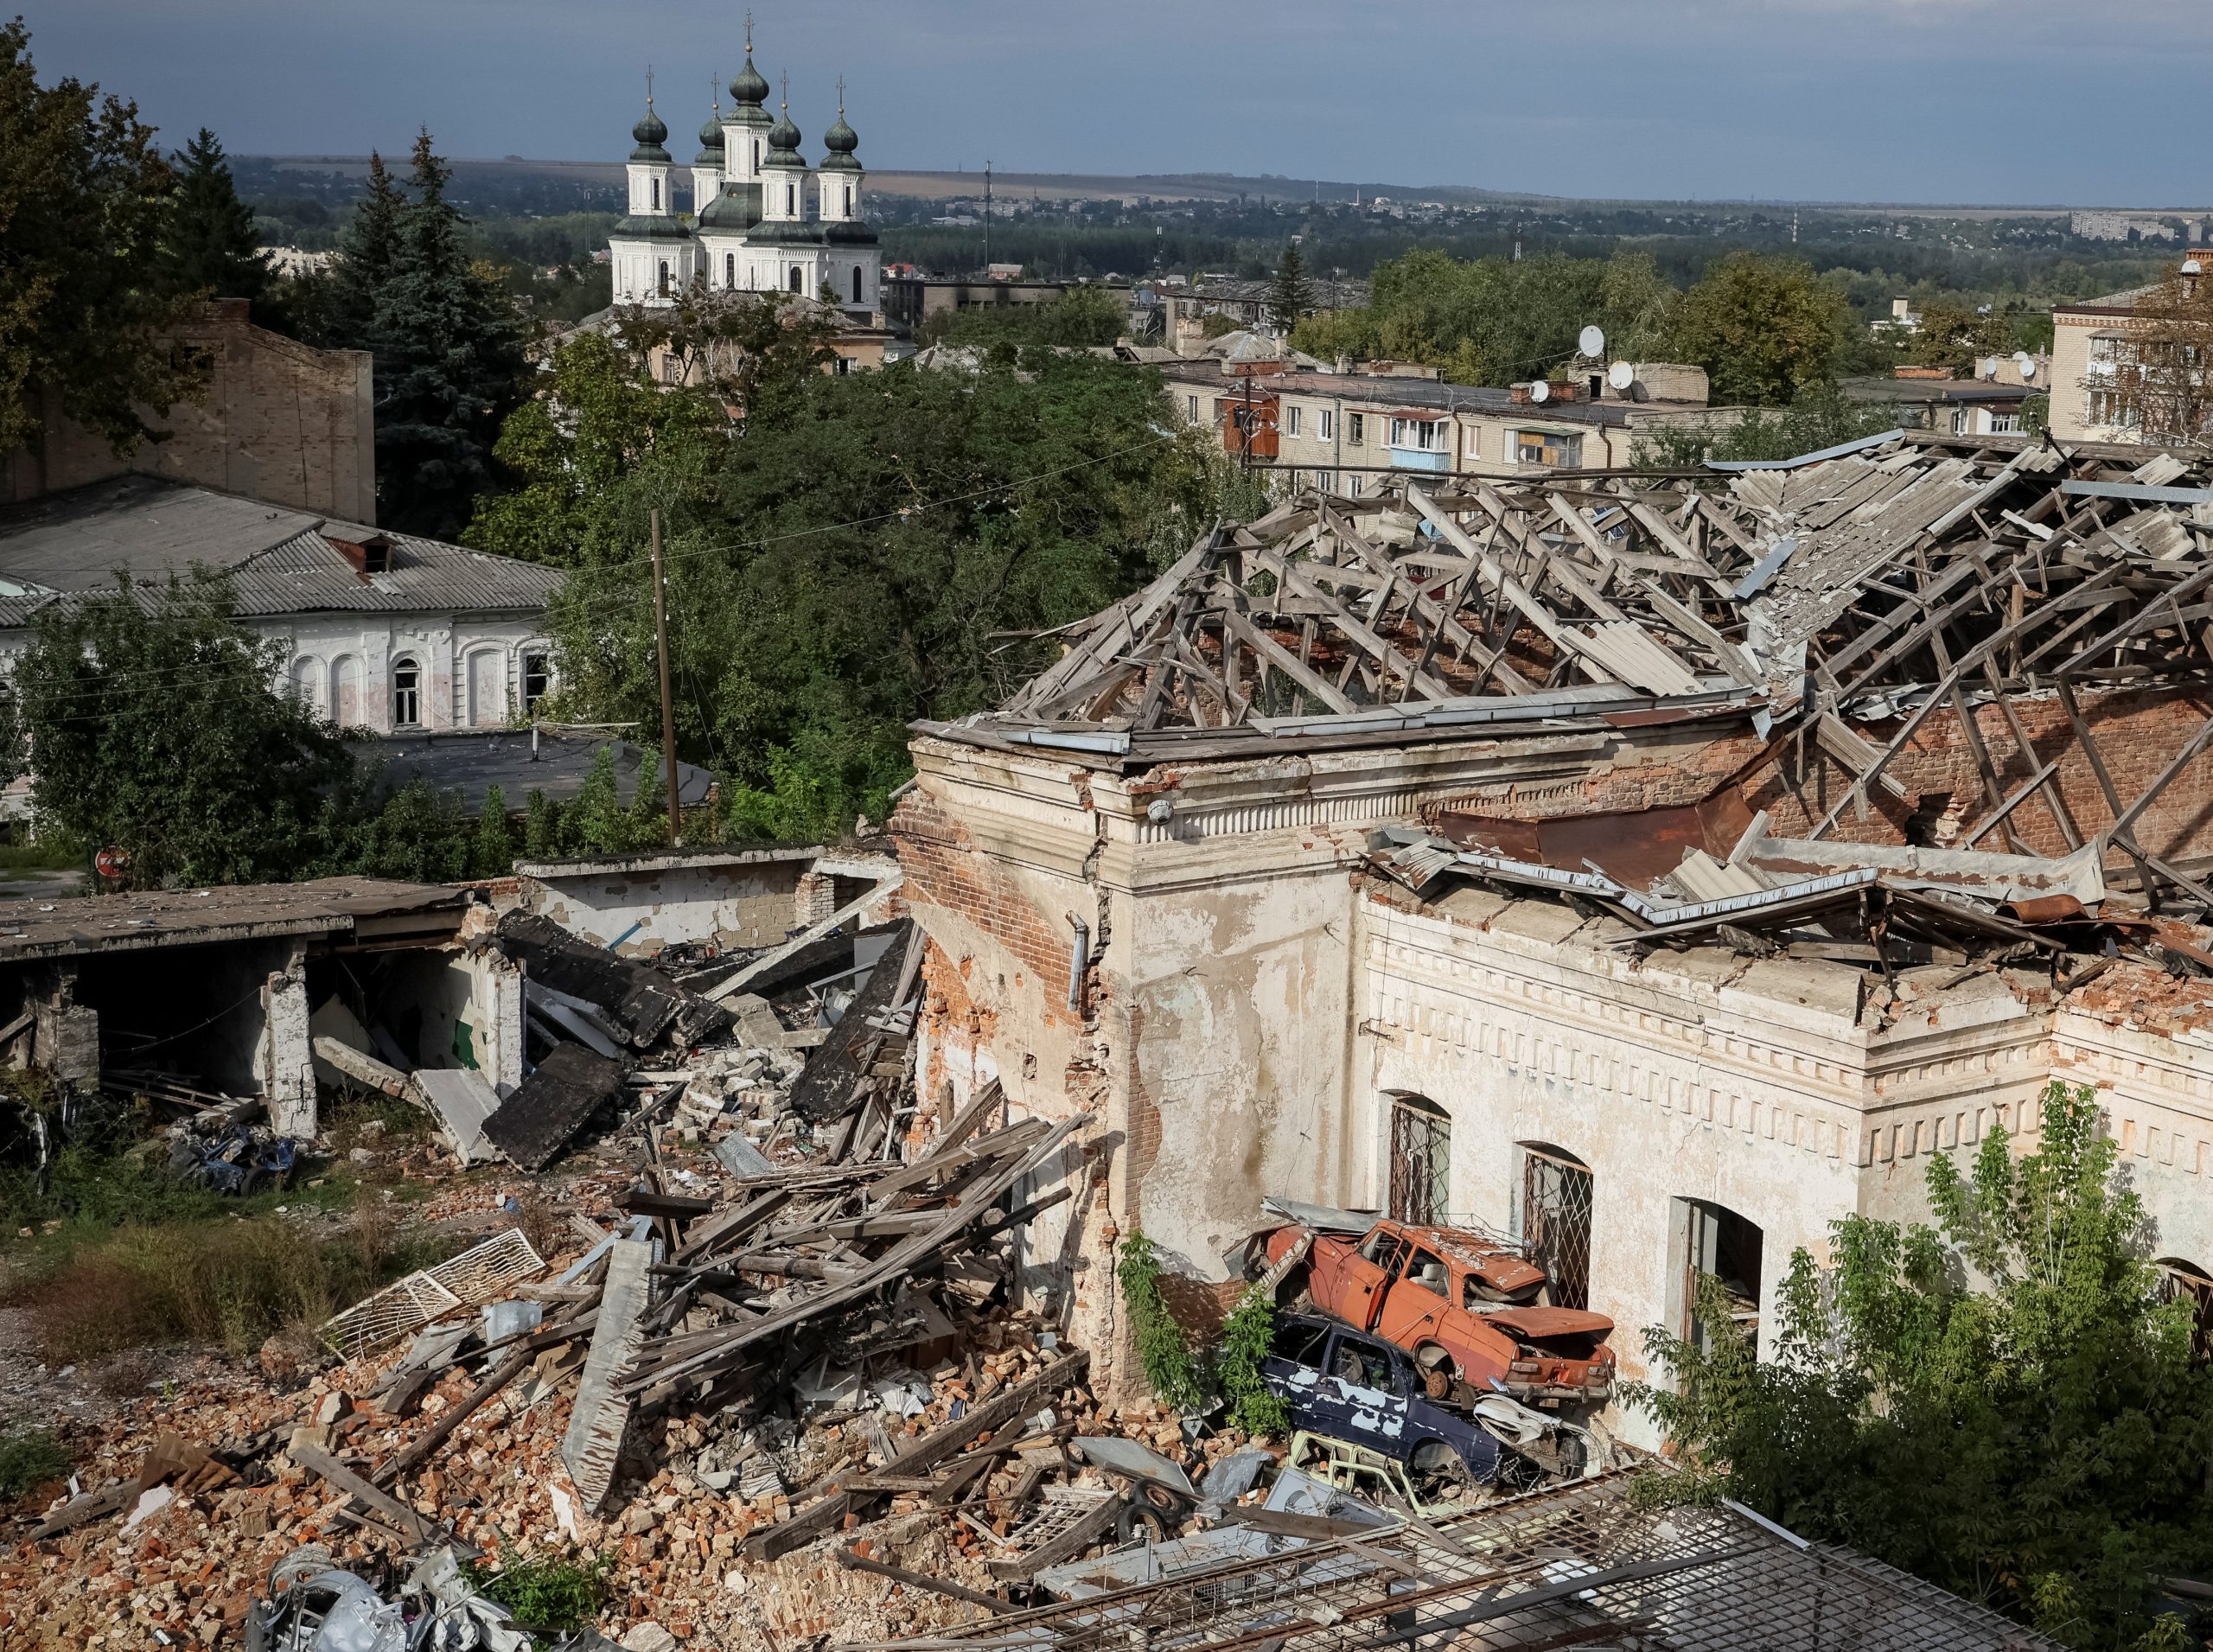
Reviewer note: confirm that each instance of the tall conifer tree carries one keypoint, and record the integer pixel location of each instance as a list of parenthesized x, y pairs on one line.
[(368, 252), (208, 244), (449, 346)]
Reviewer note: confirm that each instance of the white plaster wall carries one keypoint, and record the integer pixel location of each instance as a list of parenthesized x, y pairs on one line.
[(2157, 1093), (442, 645), (1239, 991), (750, 905)]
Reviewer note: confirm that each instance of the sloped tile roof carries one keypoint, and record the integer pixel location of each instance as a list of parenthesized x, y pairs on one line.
[(280, 562)]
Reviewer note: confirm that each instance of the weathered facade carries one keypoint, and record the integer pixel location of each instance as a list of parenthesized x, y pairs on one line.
[(281, 421), (1156, 894)]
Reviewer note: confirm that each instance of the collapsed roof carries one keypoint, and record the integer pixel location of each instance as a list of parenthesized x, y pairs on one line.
[(1904, 568), (1789, 606)]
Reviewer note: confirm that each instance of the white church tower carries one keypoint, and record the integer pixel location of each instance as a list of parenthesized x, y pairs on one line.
[(652, 255), (761, 221)]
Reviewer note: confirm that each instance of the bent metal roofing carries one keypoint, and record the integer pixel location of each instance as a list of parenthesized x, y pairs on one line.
[(279, 561)]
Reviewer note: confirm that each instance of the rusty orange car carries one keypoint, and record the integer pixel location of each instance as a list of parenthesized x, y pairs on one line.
[(1465, 1306)]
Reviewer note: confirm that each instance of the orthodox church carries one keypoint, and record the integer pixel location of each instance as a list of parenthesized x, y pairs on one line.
[(763, 220)]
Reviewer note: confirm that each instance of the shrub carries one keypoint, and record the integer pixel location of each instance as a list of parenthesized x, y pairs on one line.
[(1247, 1335), (553, 1595), (1163, 1349)]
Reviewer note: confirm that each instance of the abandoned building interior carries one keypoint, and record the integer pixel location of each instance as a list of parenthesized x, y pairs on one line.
[(1655, 870)]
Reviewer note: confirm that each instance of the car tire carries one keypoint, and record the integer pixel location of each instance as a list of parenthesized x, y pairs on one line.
[(1438, 1378)]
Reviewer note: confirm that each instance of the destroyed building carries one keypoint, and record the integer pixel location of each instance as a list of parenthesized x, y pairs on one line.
[(1655, 869)]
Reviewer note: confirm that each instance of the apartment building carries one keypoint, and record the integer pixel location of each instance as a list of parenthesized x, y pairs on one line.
[(1343, 431), (2097, 358)]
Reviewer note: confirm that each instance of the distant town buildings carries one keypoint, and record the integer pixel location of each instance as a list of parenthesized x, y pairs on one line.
[(1347, 430), (2138, 226), (1245, 301), (763, 220)]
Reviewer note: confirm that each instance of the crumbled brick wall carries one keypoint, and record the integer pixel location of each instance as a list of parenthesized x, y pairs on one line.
[(2138, 733), (943, 869), (1672, 772)]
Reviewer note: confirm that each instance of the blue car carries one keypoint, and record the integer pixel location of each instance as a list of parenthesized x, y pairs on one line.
[(1341, 1383)]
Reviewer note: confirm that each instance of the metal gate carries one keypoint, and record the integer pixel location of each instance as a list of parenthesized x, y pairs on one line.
[(1421, 1160), (1556, 1223)]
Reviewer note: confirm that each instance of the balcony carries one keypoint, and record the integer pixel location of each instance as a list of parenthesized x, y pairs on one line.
[(1421, 459)]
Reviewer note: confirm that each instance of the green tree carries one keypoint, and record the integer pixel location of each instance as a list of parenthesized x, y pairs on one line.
[(237, 791), (1765, 329), (1291, 296), (1820, 418), (1954, 335), (84, 199), (340, 310), (492, 855), (207, 245), (851, 559), (449, 346), (2038, 1439), (1082, 317)]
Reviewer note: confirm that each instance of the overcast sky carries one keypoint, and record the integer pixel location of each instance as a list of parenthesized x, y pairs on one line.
[(2081, 102)]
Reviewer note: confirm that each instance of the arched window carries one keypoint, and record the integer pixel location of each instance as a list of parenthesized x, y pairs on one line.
[(487, 688), (307, 683), (1421, 1160), (406, 693), (730, 268), (757, 155), (537, 679), (849, 200), (856, 284), (1556, 1220), (664, 277), (795, 286), (791, 200), (346, 708), (656, 188)]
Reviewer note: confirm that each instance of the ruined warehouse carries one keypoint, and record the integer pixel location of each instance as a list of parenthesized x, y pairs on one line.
[(1655, 869)]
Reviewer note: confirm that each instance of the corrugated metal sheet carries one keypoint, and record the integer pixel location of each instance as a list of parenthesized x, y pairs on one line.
[(279, 561)]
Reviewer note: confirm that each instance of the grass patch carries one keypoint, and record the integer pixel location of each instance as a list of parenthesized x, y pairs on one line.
[(54, 853), (226, 1281), (555, 1596), (28, 1459), (116, 1173)]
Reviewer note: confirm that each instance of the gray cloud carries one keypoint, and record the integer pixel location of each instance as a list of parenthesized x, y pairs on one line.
[(1948, 100)]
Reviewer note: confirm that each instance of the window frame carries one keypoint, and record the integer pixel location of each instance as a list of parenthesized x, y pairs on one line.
[(1325, 424), (412, 690)]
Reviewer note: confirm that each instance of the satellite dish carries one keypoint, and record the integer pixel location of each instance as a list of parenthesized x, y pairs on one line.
[(2028, 368), (1539, 391), (1621, 375), (1990, 366), (1591, 342), (2190, 266)]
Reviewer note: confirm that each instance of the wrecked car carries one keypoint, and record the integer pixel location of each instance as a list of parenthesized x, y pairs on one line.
[(1372, 1477), (1465, 1306), (1342, 1383)]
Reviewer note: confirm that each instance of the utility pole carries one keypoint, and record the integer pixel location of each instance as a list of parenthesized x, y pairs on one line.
[(667, 709), (987, 216)]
